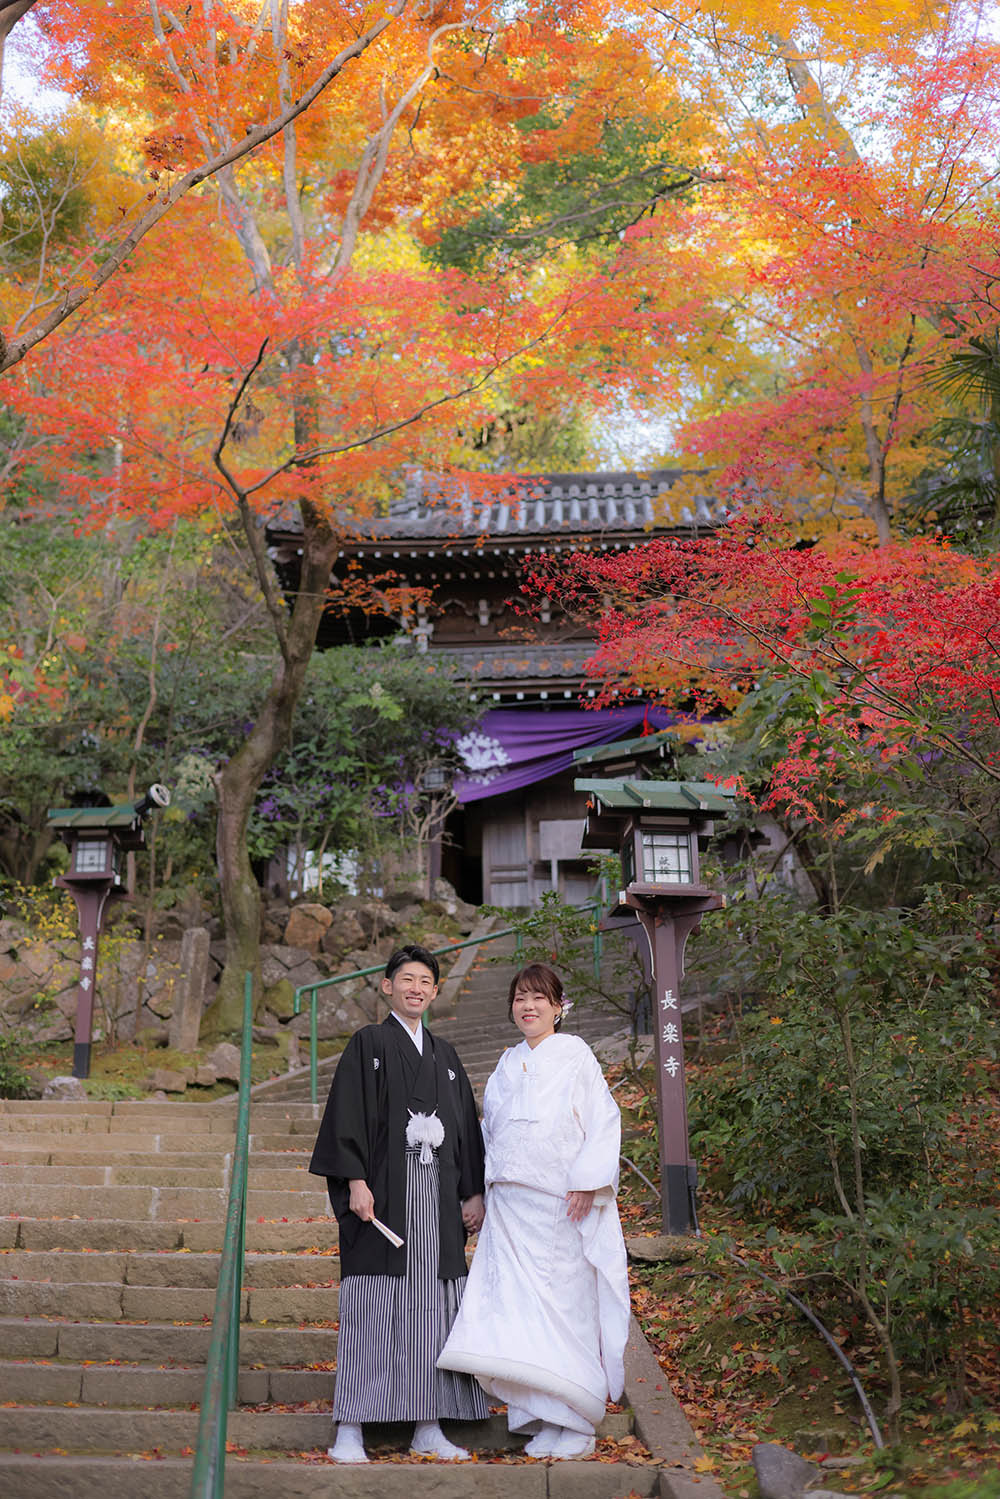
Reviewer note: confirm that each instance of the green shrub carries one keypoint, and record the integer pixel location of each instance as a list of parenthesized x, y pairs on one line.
[(14, 1081)]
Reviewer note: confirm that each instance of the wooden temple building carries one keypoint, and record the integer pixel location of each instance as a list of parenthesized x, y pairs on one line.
[(516, 830)]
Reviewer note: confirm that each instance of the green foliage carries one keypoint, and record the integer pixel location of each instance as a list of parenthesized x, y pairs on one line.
[(926, 1261), (866, 1026), (570, 200), (44, 194), (14, 1081), (943, 823), (372, 722), (106, 1090), (847, 1109)]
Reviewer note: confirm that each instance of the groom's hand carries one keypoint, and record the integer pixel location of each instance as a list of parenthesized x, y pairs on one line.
[(473, 1213), (362, 1202)]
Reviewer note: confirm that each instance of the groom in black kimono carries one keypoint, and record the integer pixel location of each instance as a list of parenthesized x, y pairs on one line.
[(400, 1146)]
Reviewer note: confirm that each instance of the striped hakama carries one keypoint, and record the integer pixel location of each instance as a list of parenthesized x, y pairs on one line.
[(392, 1327)]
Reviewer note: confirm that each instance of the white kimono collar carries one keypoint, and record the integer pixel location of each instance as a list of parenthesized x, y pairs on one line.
[(417, 1036)]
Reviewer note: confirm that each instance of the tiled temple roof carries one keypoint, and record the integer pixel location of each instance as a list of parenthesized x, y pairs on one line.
[(541, 505), (512, 508)]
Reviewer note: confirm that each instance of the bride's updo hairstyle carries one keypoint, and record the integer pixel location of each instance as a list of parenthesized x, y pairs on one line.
[(544, 980)]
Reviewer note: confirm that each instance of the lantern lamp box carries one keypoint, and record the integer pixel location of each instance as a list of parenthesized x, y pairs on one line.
[(95, 836), (657, 828)]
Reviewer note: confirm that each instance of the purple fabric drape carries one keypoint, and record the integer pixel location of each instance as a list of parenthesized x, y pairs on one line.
[(512, 747)]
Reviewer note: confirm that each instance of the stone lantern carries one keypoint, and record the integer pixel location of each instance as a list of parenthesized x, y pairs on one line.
[(657, 828), (96, 838)]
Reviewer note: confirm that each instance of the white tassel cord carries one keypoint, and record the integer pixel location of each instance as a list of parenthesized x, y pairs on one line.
[(427, 1131)]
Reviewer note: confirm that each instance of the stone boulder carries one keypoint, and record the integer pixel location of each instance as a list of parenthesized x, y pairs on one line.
[(65, 1088), (340, 1011), (781, 1473), (225, 1059), (404, 892), (274, 919), (54, 1029), (344, 933), (12, 934), (451, 904), (655, 1249), (279, 999), (296, 964), (306, 926), (374, 916), (168, 1080)]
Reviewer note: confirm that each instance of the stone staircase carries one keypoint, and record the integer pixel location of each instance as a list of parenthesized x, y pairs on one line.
[(111, 1222)]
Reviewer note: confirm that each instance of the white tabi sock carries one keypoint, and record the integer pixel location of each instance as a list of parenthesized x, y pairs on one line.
[(571, 1444), (541, 1443), (349, 1446), (430, 1441)]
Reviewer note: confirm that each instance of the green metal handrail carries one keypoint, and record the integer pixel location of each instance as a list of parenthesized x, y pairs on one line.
[(362, 973), (223, 1366)]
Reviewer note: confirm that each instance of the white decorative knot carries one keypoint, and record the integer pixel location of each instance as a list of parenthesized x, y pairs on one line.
[(375, 1063), (427, 1131), (451, 1074)]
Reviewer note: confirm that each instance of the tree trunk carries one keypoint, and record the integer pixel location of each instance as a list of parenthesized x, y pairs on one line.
[(238, 781)]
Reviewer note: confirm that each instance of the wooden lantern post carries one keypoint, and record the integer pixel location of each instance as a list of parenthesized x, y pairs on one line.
[(655, 827), (96, 838)]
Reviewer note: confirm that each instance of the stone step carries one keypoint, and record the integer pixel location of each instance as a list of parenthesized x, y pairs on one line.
[(163, 1343), (108, 1301), (300, 1144), (46, 1154), (38, 1150), (151, 1269), (119, 1384), (111, 1301), (173, 1131), (157, 1203), (120, 1176), (174, 1119), (207, 1236), (63, 1477), (117, 1428), (106, 1148)]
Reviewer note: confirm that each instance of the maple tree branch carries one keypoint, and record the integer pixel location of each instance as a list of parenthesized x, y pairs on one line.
[(293, 200), (247, 518), (301, 460), (12, 353), (11, 11)]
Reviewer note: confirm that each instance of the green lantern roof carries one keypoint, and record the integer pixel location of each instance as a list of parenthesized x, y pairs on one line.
[(639, 744), (76, 819), (657, 796)]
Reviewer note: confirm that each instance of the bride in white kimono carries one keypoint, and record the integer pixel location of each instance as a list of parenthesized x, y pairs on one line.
[(545, 1314)]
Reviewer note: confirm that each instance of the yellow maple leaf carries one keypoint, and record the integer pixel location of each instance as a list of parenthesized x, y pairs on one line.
[(703, 1464)]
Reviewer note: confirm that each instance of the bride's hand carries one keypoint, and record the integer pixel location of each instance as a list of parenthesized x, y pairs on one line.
[(579, 1205)]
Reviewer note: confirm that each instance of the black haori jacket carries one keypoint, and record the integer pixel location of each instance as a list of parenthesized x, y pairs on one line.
[(380, 1080)]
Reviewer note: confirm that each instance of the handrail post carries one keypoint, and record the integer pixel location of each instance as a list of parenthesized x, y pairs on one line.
[(313, 1044), (222, 1366), (242, 1131)]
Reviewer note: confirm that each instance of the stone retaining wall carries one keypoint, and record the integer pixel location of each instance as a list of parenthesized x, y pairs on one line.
[(140, 987)]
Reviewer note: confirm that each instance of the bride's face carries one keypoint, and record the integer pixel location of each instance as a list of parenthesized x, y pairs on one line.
[(534, 1014)]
